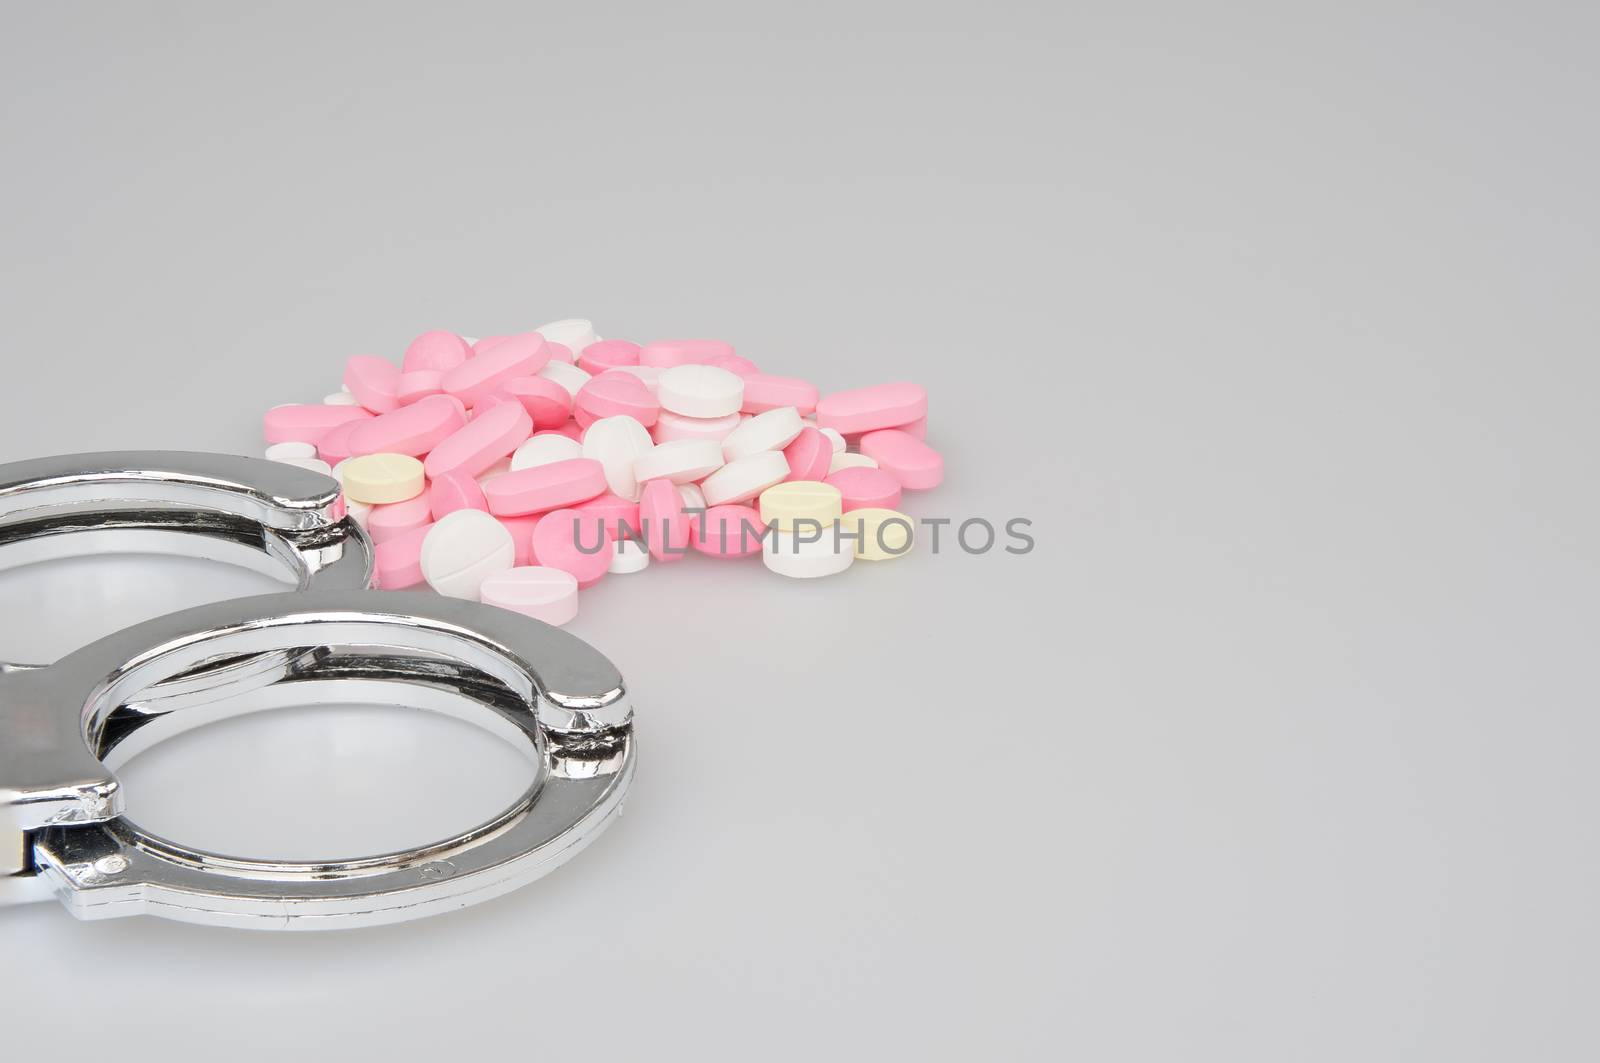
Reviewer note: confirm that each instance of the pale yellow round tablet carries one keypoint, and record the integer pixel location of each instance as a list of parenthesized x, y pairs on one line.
[(379, 479), (880, 534), (810, 500)]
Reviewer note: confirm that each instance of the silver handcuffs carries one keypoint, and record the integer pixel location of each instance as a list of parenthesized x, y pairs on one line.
[(65, 727)]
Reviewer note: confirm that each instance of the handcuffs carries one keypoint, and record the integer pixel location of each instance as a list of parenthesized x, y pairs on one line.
[(65, 727)]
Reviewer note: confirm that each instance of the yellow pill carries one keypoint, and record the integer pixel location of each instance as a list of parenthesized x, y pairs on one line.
[(378, 479), (880, 534), (801, 500)]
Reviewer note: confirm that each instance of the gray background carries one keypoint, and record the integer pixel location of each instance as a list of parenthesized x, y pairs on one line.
[(1277, 320)]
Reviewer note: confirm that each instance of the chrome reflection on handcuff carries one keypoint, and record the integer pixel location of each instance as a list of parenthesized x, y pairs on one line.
[(65, 727)]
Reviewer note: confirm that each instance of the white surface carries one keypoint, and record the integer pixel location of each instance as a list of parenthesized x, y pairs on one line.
[(1278, 322)]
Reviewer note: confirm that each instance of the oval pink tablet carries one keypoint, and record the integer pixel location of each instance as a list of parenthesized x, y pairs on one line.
[(452, 491), (418, 384), (868, 409), (728, 531), (481, 442), (307, 423), (568, 540), (615, 394), (905, 457), (763, 393), (548, 403), (521, 529), (515, 356), (335, 446), (608, 354), (621, 517), (394, 519), (436, 351), (544, 593), (671, 426), (809, 455), (398, 561), (545, 487), (559, 352), (866, 488), (412, 430), (373, 381), (667, 353), (662, 522), (735, 364), (486, 342), (917, 429)]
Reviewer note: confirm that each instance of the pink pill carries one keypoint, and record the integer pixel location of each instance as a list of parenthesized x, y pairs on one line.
[(868, 409), (905, 457), (571, 430), (866, 488), (307, 423), (412, 430), (615, 394), (559, 352), (763, 392), (667, 353), (735, 364), (521, 529), (373, 381), (809, 455), (487, 342), (398, 561), (608, 354), (569, 540), (546, 594), (917, 429), (545, 487), (671, 426), (335, 446), (394, 519), (516, 356), (662, 522), (418, 384), (453, 491), (548, 403), (436, 351), (728, 531), (621, 516), (481, 442)]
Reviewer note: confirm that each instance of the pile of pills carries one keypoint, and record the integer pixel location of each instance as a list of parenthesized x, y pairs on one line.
[(517, 470)]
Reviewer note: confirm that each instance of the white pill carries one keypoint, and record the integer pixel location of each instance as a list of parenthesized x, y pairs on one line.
[(568, 376), (573, 333), (693, 497), (835, 438), (745, 478), (650, 374), (542, 450), (670, 426), (547, 594), (772, 430), (628, 556), (464, 548), (700, 391), (790, 554), (314, 464), (683, 461), (616, 443), (340, 398), (285, 451), (842, 460)]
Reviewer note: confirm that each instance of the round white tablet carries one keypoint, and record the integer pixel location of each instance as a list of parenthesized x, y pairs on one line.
[(568, 376), (286, 451), (683, 461), (573, 333), (835, 438), (744, 479), (700, 391), (628, 556), (616, 443), (842, 460), (772, 430), (797, 558), (545, 449), (463, 549)]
